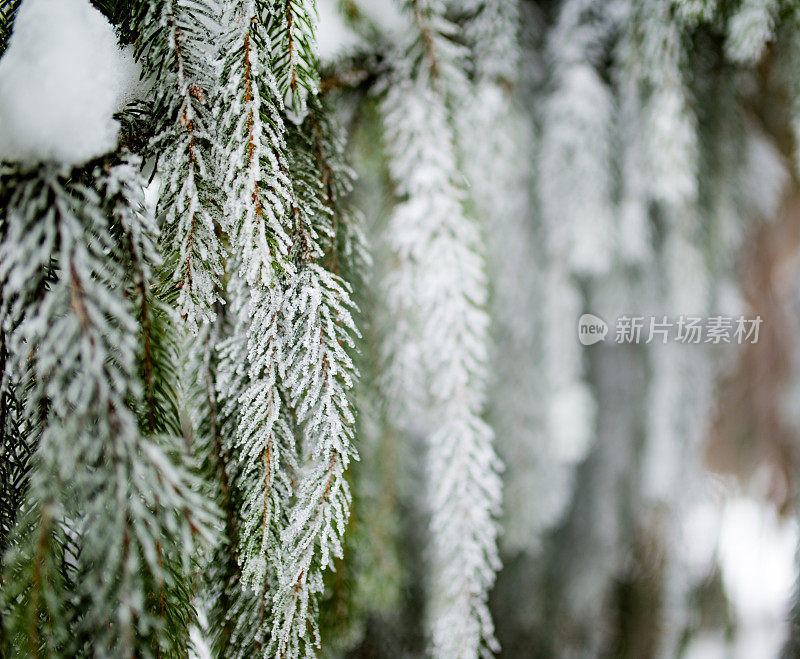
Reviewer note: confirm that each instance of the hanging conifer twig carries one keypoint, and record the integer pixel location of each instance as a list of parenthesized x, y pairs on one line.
[(436, 294), (173, 51), (92, 455)]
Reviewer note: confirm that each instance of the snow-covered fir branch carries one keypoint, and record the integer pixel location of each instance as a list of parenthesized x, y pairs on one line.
[(346, 250), (258, 189), (80, 337), (17, 442), (258, 461), (157, 412), (224, 598), (294, 52), (252, 144), (265, 443), (436, 294), (286, 366), (318, 375), (175, 52), (492, 35), (574, 177), (436, 246), (17, 435), (750, 29)]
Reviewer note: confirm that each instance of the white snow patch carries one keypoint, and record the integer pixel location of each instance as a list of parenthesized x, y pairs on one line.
[(755, 549), (333, 34), (151, 195), (61, 79), (386, 15)]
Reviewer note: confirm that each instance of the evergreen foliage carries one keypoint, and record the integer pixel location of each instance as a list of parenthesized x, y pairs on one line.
[(436, 297), (173, 50), (100, 482)]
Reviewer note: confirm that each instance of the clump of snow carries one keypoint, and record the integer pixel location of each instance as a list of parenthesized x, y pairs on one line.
[(61, 79)]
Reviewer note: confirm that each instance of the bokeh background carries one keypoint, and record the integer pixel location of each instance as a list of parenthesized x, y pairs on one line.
[(633, 158)]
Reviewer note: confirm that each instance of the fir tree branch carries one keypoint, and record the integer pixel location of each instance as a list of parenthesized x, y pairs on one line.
[(437, 347), (92, 460), (172, 50), (294, 56)]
